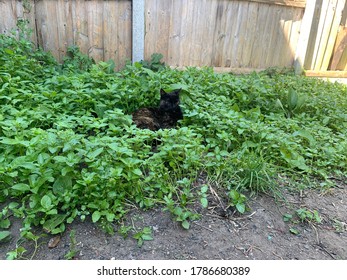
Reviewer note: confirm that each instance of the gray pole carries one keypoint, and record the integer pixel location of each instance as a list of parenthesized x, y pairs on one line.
[(138, 30)]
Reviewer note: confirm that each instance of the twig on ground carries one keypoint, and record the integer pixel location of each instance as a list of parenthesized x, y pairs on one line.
[(214, 193), (321, 246), (245, 217), (195, 223), (278, 256), (317, 235)]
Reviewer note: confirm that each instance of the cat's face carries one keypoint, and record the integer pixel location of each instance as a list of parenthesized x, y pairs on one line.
[(169, 101)]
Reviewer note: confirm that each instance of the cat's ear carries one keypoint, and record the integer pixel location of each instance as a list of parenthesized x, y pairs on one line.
[(177, 91), (162, 92)]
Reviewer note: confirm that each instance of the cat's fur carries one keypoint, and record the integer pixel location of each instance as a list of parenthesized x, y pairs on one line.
[(164, 116)]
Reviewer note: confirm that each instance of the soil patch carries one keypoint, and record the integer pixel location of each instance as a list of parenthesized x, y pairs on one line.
[(261, 234)]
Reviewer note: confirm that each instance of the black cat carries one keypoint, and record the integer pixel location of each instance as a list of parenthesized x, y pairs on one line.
[(165, 116)]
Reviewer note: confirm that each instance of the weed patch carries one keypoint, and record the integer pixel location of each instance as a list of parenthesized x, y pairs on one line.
[(69, 148)]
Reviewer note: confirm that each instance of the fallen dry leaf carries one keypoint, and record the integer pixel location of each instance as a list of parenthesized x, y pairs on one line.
[(54, 241)]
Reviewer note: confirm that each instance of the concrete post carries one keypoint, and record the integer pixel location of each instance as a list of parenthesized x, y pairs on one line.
[(138, 30)]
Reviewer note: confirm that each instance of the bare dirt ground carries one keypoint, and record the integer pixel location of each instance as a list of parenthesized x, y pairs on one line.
[(260, 234)]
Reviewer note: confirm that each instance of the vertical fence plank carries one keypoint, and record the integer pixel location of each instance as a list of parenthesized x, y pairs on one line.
[(209, 28), (46, 26), (123, 37), (270, 41), (236, 36), (219, 33), (330, 42), (81, 26), (259, 44), (339, 49), (162, 40), (151, 24), (175, 33), (323, 31), (251, 25), (295, 33)]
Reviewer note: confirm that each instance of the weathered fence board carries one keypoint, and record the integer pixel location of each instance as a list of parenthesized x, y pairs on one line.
[(227, 34), (102, 29), (288, 3), (339, 58), (324, 36), (222, 33), (13, 10)]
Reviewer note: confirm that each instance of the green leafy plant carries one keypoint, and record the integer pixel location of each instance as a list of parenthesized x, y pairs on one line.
[(76, 60), (20, 251), (5, 235), (144, 235), (307, 215), (124, 230), (294, 230), (339, 226), (155, 63), (181, 214), (203, 196), (72, 250), (69, 149), (238, 201), (302, 215), (292, 104)]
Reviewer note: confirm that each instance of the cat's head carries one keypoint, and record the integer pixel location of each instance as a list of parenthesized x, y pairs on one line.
[(169, 101)]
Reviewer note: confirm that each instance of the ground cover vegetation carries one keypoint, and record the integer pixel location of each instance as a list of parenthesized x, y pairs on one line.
[(69, 148)]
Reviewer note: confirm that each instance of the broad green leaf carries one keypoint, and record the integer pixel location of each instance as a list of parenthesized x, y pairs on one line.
[(178, 211), (110, 217), (177, 86), (294, 231), (114, 146), (204, 189), (5, 223), (292, 99), (287, 217), (95, 153), (28, 165), (21, 187), (137, 172), (146, 237), (13, 205), (305, 134), (54, 222), (9, 51), (59, 229), (204, 202), (62, 184), (279, 104), (185, 224), (10, 141), (52, 212), (96, 216), (294, 159), (241, 207), (60, 158), (53, 149), (46, 202), (140, 242), (4, 235)]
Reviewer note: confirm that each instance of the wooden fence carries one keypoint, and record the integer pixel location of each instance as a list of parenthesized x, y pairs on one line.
[(225, 34), (222, 33), (339, 57), (327, 39), (102, 29)]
